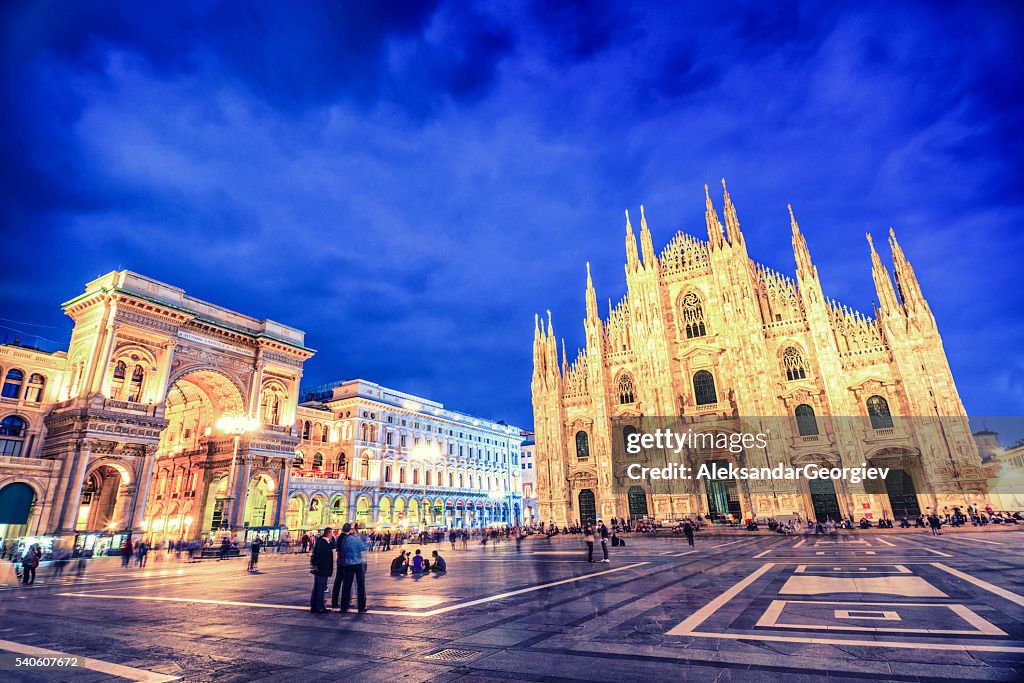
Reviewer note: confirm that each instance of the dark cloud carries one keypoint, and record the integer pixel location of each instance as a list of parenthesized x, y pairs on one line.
[(411, 182)]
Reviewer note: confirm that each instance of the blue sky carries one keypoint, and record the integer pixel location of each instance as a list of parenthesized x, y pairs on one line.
[(411, 182)]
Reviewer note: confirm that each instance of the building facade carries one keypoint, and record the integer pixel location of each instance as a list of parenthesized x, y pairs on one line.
[(167, 417), (391, 460), (529, 465), (710, 339)]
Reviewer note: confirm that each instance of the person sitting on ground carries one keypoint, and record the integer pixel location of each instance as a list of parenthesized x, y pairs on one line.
[(400, 565), (417, 563), (440, 566)]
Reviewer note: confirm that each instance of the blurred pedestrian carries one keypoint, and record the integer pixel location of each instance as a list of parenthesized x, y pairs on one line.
[(588, 536)]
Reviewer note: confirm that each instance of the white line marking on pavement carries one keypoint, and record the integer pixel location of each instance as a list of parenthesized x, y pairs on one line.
[(688, 552), (882, 540), (430, 613), (722, 545), (936, 552), (698, 617), (984, 585), (800, 542), (763, 554), (978, 540), (108, 668), (862, 643)]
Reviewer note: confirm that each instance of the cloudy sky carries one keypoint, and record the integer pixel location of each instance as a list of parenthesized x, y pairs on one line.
[(411, 182)]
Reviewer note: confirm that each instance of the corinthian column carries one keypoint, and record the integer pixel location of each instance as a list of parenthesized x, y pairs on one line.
[(138, 507)]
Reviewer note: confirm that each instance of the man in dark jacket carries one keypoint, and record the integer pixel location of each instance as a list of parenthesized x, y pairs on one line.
[(321, 566)]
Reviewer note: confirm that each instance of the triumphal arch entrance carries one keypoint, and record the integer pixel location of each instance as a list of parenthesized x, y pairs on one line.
[(175, 417)]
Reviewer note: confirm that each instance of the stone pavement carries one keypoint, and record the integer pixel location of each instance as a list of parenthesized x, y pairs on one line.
[(869, 606)]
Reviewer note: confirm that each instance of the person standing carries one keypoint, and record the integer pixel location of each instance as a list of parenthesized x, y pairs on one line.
[(353, 564), (29, 563), (688, 531), (126, 553), (254, 554), (321, 566), (588, 532), (603, 530)]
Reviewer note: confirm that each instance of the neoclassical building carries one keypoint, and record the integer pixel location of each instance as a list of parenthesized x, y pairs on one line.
[(708, 340), (167, 417), (391, 460)]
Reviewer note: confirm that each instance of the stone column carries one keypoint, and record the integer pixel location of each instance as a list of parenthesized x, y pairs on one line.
[(241, 487), (120, 515), (284, 482), (73, 487), (138, 507)]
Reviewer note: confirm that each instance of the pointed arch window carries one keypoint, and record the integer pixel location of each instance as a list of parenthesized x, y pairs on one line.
[(325, 434), (306, 427), (627, 392), (318, 461), (704, 388), (582, 445), (12, 383), (878, 411), (36, 386), (793, 362), (342, 465), (806, 423), (299, 460), (693, 316)]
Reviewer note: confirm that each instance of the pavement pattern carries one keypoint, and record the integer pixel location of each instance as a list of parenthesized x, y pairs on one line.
[(903, 606)]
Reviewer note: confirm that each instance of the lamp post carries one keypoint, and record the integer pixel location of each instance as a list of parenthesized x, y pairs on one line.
[(236, 425), (425, 455)]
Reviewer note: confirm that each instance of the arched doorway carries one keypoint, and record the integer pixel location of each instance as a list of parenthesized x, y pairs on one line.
[(722, 494), (902, 494), (363, 512), (824, 501), (637, 500), (214, 516), (295, 517), (16, 501), (338, 510), (259, 501), (384, 514), (317, 512), (98, 508), (588, 507)]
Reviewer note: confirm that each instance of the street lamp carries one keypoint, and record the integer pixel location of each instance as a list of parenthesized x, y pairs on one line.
[(425, 455), (236, 425)]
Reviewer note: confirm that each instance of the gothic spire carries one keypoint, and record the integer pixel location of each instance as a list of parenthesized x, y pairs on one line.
[(732, 222), (883, 283), (645, 241), (715, 236), (906, 280), (804, 268), (632, 257), (592, 314)]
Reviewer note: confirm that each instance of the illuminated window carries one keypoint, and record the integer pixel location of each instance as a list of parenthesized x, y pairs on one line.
[(12, 383), (36, 386), (12, 435)]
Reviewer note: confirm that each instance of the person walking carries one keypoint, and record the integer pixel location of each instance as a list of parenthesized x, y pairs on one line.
[(321, 566), (29, 563), (589, 538), (688, 532), (126, 554), (935, 524), (254, 554), (352, 558), (603, 530)]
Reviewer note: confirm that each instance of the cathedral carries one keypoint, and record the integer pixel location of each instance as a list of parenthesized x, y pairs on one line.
[(706, 340)]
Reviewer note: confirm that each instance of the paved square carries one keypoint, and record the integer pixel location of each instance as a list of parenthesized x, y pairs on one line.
[(744, 606)]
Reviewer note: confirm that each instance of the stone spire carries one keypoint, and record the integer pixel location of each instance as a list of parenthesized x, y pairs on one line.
[(805, 270), (715, 236), (632, 257), (906, 280), (732, 222), (592, 315), (646, 244), (883, 283)]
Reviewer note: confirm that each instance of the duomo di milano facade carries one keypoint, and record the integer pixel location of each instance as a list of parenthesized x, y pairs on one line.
[(707, 340), (123, 433)]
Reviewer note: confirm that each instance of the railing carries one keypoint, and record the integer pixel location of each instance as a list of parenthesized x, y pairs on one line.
[(141, 408), (886, 431), (811, 438)]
